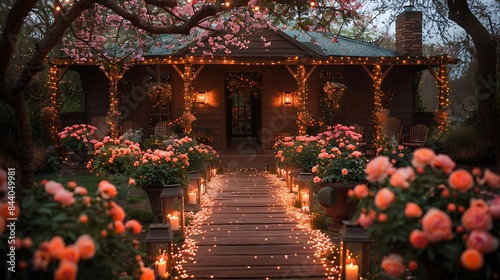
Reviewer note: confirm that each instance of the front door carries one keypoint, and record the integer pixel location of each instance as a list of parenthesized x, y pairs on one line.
[(243, 91)]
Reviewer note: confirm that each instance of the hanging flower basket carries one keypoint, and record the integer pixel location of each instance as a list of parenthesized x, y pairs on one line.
[(245, 86), (159, 93), (333, 91)]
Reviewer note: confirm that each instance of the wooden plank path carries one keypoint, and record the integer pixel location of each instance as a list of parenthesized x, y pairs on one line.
[(249, 235)]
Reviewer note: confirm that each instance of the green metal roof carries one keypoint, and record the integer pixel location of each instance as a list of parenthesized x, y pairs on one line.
[(323, 44), (320, 43)]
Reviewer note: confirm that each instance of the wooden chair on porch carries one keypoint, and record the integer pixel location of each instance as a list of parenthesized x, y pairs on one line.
[(417, 136), (392, 128), (362, 141), (103, 128)]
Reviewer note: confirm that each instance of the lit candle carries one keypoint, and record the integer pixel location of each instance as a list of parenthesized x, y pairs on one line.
[(351, 272), (305, 208), (295, 188), (174, 222), (161, 267), (192, 198), (305, 197)]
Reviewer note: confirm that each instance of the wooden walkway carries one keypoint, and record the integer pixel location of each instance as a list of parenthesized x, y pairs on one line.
[(250, 236)]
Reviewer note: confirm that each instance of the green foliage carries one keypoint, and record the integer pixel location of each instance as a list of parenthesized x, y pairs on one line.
[(399, 155), (135, 199), (143, 216), (465, 144), (321, 221)]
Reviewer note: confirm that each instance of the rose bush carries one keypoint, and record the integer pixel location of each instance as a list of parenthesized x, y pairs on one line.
[(114, 156), (340, 160), (77, 136), (431, 214), (66, 232)]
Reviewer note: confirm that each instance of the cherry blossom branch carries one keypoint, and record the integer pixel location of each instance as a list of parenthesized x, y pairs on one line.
[(204, 12)]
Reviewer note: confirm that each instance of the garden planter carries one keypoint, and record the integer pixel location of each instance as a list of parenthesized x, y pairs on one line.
[(75, 157), (153, 192), (335, 201)]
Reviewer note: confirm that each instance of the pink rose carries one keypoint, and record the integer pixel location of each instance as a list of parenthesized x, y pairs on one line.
[(477, 216), (384, 198), (461, 180), (412, 210), (495, 207), (418, 239), (443, 162), (361, 191), (422, 157), (393, 265), (436, 225), (378, 169), (366, 220), (482, 241), (491, 179), (64, 197)]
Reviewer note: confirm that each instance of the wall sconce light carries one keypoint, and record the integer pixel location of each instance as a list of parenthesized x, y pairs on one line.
[(202, 97), (287, 98)]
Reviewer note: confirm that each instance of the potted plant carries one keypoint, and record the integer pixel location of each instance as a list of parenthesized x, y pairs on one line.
[(431, 220), (340, 167), (75, 141), (158, 169)]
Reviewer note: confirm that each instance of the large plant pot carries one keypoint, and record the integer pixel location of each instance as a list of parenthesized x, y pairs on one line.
[(335, 201), (153, 192), (75, 157)]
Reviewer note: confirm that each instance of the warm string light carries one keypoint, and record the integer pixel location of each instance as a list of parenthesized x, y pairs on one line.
[(301, 94), (332, 60), (322, 244), (443, 101), (53, 91), (114, 73), (377, 82)]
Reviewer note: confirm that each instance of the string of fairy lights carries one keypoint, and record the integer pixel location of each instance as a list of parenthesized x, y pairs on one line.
[(54, 106), (114, 75), (377, 98), (443, 102)]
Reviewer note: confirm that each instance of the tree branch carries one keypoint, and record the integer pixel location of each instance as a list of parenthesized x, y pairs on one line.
[(10, 36), (162, 3), (35, 63), (204, 12)]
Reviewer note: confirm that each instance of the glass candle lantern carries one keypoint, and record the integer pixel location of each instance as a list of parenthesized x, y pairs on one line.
[(172, 204), (193, 196), (304, 183), (355, 251), (159, 248)]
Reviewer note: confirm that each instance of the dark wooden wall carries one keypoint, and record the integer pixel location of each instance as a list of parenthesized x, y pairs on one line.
[(276, 117)]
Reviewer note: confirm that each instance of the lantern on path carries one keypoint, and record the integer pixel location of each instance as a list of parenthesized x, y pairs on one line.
[(304, 182), (355, 251), (172, 204), (194, 192), (159, 248)]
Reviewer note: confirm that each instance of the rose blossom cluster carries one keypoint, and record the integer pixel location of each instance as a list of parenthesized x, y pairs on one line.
[(87, 221), (443, 207)]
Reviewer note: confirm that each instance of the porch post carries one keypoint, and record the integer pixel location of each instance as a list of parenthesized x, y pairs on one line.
[(377, 93), (53, 109), (443, 89), (301, 94), (188, 86), (114, 73)]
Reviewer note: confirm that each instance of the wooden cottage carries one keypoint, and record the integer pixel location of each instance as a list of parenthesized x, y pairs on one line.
[(280, 79)]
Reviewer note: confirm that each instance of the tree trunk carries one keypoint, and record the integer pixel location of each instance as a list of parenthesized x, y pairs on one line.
[(486, 87), (25, 155)]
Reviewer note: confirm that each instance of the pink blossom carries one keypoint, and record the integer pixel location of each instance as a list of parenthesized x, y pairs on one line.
[(378, 169), (482, 241)]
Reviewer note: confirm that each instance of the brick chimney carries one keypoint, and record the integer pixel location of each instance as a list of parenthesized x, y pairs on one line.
[(409, 32)]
